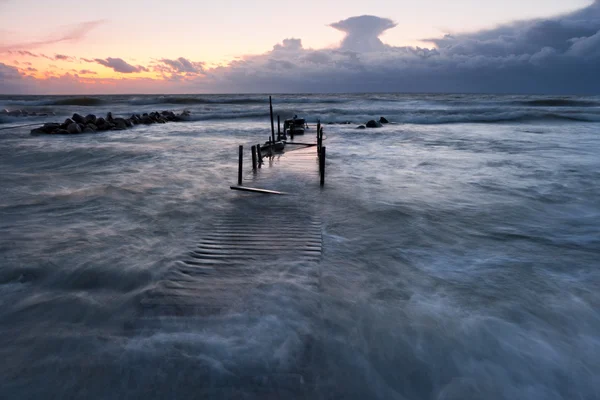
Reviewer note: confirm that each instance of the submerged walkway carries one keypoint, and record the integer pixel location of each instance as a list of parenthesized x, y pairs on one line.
[(261, 242)]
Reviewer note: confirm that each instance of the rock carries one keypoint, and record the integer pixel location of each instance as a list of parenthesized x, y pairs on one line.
[(147, 120), (120, 124), (74, 128), (78, 118), (87, 129), (14, 113), (109, 117), (66, 124), (50, 127), (102, 125), (62, 132), (90, 119), (373, 124), (39, 131), (361, 127), (383, 120), (92, 127)]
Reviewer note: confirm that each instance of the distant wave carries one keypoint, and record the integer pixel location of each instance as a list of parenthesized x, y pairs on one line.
[(76, 101), (199, 100), (430, 117), (559, 103), (191, 100)]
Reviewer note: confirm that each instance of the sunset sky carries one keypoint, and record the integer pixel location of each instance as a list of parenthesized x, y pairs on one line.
[(182, 46)]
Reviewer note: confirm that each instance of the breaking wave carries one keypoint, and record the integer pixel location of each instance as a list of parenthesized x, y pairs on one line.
[(77, 101), (560, 103)]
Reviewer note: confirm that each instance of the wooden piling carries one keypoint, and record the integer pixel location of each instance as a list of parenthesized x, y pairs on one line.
[(240, 162), (254, 158), (322, 165), (278, 128), (319, 143), (259, 155), (272, 121)]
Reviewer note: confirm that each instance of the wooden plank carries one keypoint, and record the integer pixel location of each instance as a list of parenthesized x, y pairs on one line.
[(257, 190), (301, 144)]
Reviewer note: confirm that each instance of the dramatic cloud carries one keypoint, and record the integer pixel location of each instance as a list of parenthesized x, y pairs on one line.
[(76, 33), (559, 55), (10, 79), (552, 55), (182, 65), (120, 65), (362, 33)]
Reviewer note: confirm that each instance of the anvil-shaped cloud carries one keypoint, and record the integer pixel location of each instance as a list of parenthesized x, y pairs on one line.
[(362, 33)]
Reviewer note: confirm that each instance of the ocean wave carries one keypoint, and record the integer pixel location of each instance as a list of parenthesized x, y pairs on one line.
[(183, 100), (559, 103), (76, 101), (430, 117)]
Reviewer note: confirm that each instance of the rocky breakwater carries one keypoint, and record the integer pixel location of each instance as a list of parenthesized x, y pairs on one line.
[(90, 123), (374, 124)]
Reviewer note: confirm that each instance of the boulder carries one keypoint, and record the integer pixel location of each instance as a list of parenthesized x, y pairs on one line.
[(39, 131), (62, 132), (66, 124), (74, 128), (87, 129), (92, 127), (361, 127), (78, 118), (147, 120), (109, 117), (50, 127), (373, 124), (90, 119), (120, 123), (14, 113), (383, 120)]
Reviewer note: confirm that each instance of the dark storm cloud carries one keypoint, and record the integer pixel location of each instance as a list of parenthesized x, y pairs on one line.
[(120, 65), (552, 55), (10, 79)]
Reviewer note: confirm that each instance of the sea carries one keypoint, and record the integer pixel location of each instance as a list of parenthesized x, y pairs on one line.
[(461, 250)]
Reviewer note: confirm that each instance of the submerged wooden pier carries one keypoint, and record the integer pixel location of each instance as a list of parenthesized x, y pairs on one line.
[(260, 242)]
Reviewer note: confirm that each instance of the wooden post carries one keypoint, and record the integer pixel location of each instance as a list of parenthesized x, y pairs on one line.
[(254, 158), (278, 128), (259, 154), (272, 122), (240, 162), (319, 138), (322, 162)]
